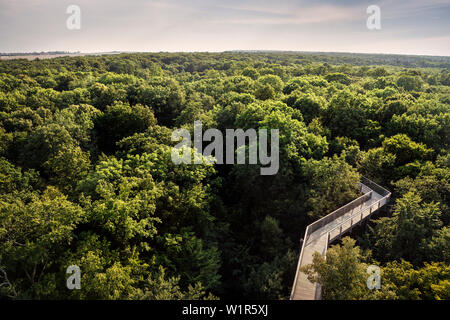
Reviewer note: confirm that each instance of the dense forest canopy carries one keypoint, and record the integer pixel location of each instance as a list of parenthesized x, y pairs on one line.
[(86, 176)]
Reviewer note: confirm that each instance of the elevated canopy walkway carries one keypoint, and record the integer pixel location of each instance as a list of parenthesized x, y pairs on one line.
[(321, 233)]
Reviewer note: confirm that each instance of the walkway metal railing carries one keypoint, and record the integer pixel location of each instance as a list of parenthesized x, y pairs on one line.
[(367, 187)]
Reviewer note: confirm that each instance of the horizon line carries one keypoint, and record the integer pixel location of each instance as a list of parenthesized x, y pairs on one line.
[(62, 52)]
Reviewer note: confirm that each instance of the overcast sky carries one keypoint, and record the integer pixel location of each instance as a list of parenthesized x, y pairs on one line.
[(407, 26)]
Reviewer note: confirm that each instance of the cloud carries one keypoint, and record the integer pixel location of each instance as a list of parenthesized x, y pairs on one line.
[(294, 15), (214, 25)]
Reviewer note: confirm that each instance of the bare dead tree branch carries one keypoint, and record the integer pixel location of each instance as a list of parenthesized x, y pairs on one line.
[(4, 281)]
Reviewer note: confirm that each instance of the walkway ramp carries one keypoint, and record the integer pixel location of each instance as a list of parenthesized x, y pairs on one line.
[(322, 232)]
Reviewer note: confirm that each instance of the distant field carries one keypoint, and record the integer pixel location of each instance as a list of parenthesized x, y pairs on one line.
[(49, 56), (41, 56)]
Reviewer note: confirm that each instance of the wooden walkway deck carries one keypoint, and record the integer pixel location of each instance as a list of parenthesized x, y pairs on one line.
[(320, 233)]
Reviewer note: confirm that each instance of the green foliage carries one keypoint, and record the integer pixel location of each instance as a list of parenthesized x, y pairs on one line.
[(86, 176), (163, 95), (406, 150), (310, 105), (120, 121), (342, 274), (338, 77), (34, 233), (333, 184), (377, 164), (347, 115), (105, 95), (410, 83), (410, 231), (157, 287), (428, 283)]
